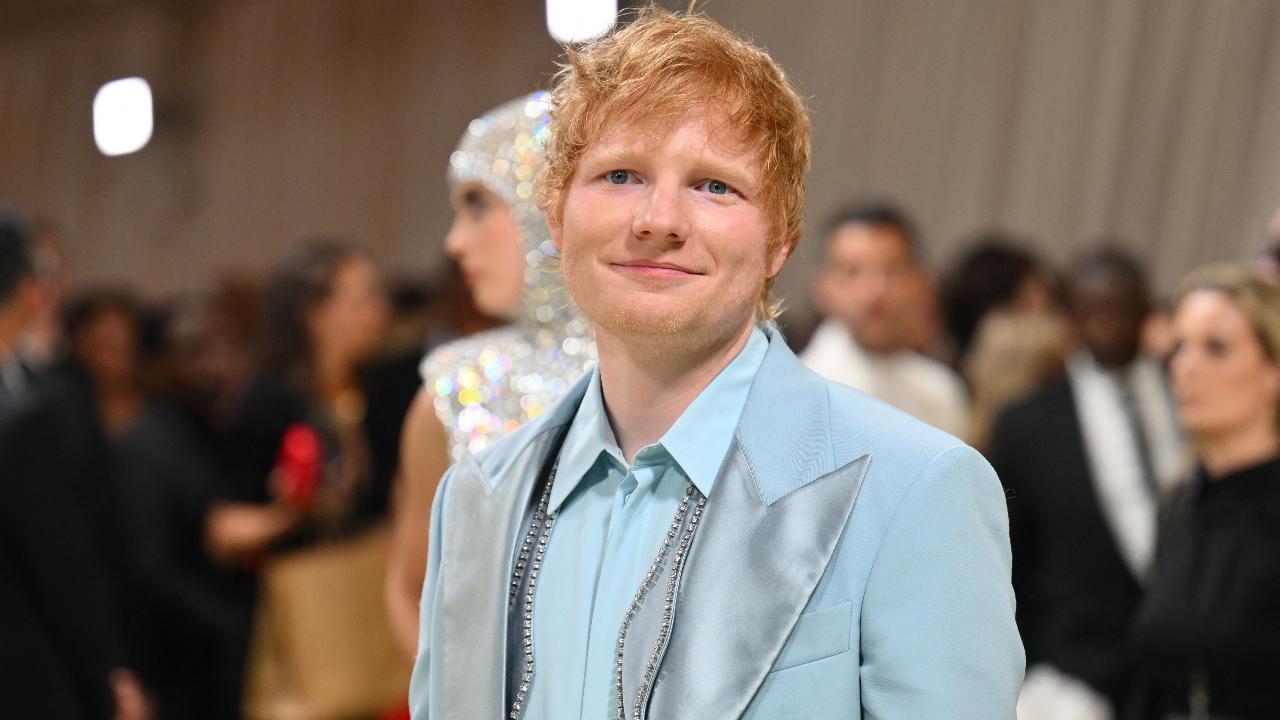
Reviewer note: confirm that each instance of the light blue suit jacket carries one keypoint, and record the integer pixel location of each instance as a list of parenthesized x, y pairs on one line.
[(852, 562)]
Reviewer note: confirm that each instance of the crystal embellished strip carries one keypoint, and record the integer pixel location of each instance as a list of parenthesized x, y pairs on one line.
[(650, 578), (540, 528), (664, 632)]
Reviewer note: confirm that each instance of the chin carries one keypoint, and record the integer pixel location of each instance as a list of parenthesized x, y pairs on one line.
[(688, 325), (494, 307), (645, 317), (1203, 428), (680, 316), (877, 344)]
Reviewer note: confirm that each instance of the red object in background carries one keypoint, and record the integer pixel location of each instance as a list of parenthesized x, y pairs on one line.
[(399, 712), (299, 464)]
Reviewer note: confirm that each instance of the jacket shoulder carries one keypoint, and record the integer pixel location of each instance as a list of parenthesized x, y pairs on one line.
[(861, 424)]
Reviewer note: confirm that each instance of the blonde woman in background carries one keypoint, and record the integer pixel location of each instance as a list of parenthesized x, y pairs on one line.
[(1207, 635), (1013, 353)]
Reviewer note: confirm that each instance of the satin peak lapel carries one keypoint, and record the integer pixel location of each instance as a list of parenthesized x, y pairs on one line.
[(481, 535), (750, 573)]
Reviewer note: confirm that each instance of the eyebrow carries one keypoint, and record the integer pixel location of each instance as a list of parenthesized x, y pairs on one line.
[(617, 156), (609, 156), (739, 179)]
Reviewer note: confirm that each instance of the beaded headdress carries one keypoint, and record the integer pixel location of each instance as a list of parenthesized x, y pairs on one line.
[(487, 385), (503, 150)]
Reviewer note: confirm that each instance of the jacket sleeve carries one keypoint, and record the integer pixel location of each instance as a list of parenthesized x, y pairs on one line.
[(54, 571), (938, 631), (423, 684)]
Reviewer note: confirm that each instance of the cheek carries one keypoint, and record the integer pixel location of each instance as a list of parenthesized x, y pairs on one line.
[(1259, 386), (320, 323), (743, 243), (573, 268), (1272, 381), (1231, 387), (376, 312), (575, 243), (590, 213), (512, 257)]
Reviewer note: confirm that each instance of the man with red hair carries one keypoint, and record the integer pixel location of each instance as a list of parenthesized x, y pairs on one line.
[(702, 528)]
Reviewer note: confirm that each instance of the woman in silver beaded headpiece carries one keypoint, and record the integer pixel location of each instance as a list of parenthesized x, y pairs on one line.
[(483, 386)]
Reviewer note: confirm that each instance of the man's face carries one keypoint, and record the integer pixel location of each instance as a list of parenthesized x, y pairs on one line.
[(1108, 312), (663, 236), (868, 283)]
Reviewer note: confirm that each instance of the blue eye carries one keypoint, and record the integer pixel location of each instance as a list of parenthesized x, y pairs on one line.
[(619, 177), (716, 187)]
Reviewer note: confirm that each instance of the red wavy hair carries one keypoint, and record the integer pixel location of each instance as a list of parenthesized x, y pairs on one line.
[(659, 68)]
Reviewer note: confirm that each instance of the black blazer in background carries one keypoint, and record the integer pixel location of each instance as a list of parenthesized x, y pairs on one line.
[(1076, 595), (59, 626)]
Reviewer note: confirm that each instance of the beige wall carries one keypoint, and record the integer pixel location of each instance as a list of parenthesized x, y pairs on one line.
[(1154, 120), (276, 119), (1157, 121)]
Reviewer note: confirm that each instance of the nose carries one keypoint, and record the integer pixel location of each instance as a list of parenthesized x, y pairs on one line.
[(873, 286), (661, 214), (1182, 365), (455, 241)]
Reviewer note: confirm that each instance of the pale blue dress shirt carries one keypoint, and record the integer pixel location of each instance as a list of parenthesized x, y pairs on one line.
[(611, 522)]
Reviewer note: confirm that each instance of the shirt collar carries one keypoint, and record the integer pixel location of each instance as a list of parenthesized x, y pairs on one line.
[(589, 437), (698, 440), (1082, 362)]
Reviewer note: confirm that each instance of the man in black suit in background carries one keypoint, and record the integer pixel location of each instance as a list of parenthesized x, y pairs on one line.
[(60, 644), (17, 303), (1084, 460)]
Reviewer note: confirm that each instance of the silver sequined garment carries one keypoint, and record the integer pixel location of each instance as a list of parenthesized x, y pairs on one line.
[(488, 384)]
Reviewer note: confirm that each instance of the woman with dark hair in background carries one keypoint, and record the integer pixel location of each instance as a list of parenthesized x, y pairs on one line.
[(995, 275), (103, 330), (1008, 337), (1208, 632), (301, 483), (323, 318)]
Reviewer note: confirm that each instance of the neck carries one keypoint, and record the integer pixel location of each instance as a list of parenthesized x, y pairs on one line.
[(118, 405), (1231, 452), (646, 387), (334, 375), (869, 350)]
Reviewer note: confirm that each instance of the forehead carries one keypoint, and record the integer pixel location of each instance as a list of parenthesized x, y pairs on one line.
[(460, 190), (1108, 289), (854, 241), (1212, 306), (706, 131)]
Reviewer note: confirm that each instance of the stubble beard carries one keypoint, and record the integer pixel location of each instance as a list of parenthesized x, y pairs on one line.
[(675, 330)]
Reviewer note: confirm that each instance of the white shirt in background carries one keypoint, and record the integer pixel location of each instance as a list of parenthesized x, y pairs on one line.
[(917, 385)]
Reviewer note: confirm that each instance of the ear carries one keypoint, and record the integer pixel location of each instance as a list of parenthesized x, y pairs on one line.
[(819, 293), (555, 225), (1273, 380), (780, 256)]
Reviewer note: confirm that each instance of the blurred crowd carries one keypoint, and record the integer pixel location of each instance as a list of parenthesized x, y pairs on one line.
[(145, 478), (167, 466)]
